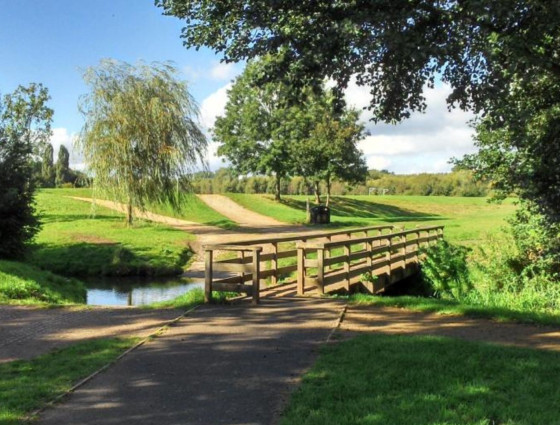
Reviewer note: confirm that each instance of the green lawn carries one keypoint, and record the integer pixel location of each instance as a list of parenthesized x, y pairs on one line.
[(77, 239), (24, 284), (191, 208), (410, 380), (466, 220), (27, 385)]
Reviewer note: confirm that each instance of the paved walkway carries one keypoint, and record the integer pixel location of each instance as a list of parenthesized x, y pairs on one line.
[(223, 365), (27, 332)]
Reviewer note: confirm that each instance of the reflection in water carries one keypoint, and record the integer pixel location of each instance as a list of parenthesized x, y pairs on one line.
[(136, 291)]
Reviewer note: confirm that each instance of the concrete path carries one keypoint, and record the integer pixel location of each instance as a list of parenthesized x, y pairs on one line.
[(27, 332), (237, 213), (223, 365)]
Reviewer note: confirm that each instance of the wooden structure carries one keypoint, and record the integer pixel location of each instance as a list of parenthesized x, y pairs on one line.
[(373, 257)]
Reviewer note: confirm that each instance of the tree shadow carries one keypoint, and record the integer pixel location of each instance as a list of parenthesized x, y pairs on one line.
[(105, 259), (345, 207)]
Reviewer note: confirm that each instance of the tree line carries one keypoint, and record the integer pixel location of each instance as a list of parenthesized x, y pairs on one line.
[(456, 183), (47, 173)]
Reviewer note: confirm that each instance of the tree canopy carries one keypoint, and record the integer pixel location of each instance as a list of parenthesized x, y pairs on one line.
[(141, 135), (25, 126), (263, 131), (501, 59)]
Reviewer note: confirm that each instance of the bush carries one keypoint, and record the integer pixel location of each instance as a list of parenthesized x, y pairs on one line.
[(444, 270)]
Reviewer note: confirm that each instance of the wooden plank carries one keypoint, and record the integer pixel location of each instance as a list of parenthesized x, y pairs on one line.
[(321, 270), (274, 263), (228, 247), (234, 268), (300, 271), (232, 287), (238, 260), (312, 262), (287, 269), (208, 254), (234, 279), (287, 254), (256, 278)]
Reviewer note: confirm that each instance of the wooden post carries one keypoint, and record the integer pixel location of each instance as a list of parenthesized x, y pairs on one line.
[(347, 264), (328, 252), (300, 270), (256, 277), (274, 263), (241, 256), (369, 248), (321, 269), (208, 276)]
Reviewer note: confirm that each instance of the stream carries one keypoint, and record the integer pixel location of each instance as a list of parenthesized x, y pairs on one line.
[(136, 291)]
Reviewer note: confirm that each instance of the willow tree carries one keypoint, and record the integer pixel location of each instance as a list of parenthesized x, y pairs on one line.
[(141, 135)]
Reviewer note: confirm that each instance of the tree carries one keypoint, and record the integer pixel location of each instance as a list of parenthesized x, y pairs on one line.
[(47, 167), (63, 173), (141, 135), (327, 149), (252, 131), (491, 52), (24, 127)]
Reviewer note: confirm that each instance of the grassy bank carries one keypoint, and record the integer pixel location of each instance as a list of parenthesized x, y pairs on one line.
[(408, 380), (466, 220), (24, 284), (77, 239), (27, 385), (453, 307)]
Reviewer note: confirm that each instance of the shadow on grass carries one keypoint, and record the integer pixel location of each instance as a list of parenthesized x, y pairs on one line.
[(63, 218), (107, 259), (385, 379), (348, 208)]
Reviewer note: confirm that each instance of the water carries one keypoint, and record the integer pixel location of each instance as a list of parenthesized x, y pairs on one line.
[(136, 291)]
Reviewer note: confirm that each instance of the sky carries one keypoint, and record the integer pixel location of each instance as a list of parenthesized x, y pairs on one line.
[(53, 41)]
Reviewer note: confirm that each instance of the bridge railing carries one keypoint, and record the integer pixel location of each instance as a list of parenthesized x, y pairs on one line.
[(332, 265), (250, 262)]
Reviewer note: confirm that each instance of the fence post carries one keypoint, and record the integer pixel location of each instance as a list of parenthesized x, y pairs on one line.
[(300, 270), (208, 276), (256, 277), (274, 263), (321, 269), (347, 264)]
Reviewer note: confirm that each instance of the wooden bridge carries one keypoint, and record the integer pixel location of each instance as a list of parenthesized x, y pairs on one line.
[(370, 258)]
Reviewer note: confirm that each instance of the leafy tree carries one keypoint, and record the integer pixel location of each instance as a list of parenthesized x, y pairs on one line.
[(47, 166), (63, 173), (501, 57), (141, 135), (24, 127), (252, 131), (329, 149)]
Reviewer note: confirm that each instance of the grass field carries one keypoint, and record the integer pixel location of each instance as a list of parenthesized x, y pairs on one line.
[(27, 385), (191, 208), (466, 220), (410, 380), (79, 240)]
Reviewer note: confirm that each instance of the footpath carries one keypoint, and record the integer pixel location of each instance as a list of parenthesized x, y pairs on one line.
[(232, 364)]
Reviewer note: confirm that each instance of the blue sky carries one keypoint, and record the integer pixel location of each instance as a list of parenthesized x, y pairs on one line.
[(52, 41)]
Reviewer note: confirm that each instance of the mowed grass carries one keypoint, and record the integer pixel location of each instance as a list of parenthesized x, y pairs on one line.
[(191, 208), (412, 380), (466, 220), (26, 385), (78, 239), (24, 284)]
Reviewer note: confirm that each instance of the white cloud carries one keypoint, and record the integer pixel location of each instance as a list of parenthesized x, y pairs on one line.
[(213, 106), (223, 71), (61, 136), (423, 143)]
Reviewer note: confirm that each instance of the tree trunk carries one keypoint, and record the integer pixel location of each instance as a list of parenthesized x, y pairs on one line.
[(129, 213), (277, 192), (317, 192), (328, 191)]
